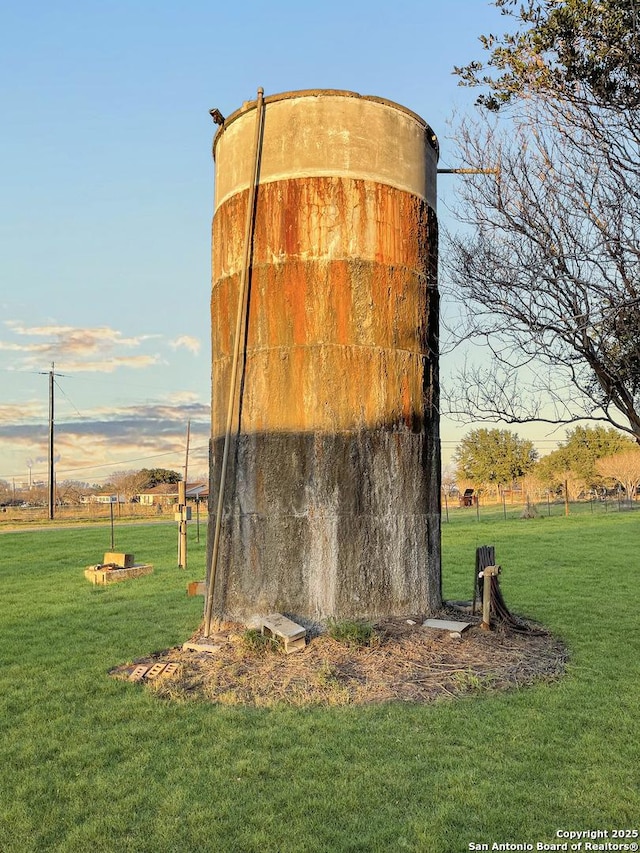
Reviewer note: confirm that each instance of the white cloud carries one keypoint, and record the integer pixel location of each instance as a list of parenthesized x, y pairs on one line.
[(17, 413), (112, 432), (99, 349), (106, 438), (188, 342), (108, 365)]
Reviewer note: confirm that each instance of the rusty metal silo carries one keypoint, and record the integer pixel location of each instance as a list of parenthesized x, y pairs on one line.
[(331, 504)]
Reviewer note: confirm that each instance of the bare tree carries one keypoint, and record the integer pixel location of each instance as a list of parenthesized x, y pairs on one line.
[(71, 491), (624, 468), (448, 479), (549, 275), (129, 483), (549, 272)]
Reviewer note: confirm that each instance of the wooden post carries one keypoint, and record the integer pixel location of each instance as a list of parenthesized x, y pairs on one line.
[(487, 574), (182, 527)]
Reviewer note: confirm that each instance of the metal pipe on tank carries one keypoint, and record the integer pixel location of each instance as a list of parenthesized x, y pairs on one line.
[(240, 320)]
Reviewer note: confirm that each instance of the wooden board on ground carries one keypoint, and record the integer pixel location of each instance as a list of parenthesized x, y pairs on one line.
[(212, 648)]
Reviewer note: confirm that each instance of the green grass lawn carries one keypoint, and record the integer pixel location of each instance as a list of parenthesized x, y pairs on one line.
[(90, 763)]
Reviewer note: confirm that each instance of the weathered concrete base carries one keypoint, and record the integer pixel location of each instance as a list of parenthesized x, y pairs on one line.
[(318, 525), (101, 576)]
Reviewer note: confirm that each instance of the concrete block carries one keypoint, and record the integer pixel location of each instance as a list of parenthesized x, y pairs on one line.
[(292, 634), (138, 673), (294, 646), (124, 561), (155, 671), (446, 625), (101, 576), (280, 626)]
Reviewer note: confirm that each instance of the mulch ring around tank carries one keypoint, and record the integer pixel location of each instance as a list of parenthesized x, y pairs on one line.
[(393, 660)]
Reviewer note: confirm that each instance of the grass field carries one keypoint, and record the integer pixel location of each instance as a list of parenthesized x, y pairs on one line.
[(90, 763)]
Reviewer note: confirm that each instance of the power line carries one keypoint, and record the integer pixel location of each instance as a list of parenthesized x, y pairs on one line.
[(60, 388), (129, 461)]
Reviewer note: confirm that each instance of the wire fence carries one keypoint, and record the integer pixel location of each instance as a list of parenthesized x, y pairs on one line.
[(482, 510), (95, 512), (506, 510)]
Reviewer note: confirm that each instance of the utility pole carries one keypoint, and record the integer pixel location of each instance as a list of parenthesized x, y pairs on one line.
[(52, 488), (52, 481)]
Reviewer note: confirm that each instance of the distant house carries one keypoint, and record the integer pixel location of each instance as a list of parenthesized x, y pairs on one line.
[(104, 498), (166, 494), (197, 491), (161, 495)]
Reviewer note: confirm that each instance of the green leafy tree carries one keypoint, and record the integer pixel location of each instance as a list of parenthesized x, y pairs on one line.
[(576, 459), (548, 272), (494, 457), (154, 476), (585, 50)]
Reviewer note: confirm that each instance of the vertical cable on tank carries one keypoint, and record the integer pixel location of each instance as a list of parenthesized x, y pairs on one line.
[(240, 324)]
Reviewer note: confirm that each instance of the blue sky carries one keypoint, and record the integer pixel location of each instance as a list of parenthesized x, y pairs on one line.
[(107, 188)]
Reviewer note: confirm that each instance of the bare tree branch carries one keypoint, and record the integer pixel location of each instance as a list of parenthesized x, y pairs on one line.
[(547, 269)]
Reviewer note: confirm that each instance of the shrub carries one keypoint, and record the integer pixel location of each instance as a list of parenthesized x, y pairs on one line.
[(352, 632)]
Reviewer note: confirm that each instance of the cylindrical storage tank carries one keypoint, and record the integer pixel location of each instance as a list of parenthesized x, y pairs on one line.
[(332, 498)]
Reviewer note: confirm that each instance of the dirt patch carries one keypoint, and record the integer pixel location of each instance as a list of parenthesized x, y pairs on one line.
[(403, 662)]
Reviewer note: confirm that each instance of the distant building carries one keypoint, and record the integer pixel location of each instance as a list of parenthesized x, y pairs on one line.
[(166, 494)]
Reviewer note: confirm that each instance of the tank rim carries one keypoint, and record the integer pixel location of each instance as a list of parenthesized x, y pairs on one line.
[(247, 106)]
